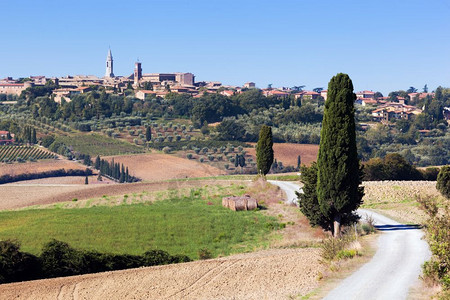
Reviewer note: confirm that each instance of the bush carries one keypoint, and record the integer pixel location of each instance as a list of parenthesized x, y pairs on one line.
[(438, 236), (59, 259), (443, 182), (16, 265), (204, 253), (157, 257), (392, 167)]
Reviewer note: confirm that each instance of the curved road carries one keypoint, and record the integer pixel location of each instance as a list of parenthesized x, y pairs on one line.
[(395, 267)]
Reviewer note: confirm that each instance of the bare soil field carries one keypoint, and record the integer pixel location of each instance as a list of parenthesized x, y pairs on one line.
[(39, 166), (63, 180), (156, 166), (287, 153), (269, 274)]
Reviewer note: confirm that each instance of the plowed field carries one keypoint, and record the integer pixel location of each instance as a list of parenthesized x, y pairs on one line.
[(270, 274), (287, 153), (157, 166)]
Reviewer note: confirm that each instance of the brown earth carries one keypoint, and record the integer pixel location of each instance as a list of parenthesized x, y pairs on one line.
[(287, 153), (156, 166), (270, 274), (39, 166)]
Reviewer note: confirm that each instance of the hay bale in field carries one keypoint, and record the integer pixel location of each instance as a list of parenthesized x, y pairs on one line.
[(240, 203)]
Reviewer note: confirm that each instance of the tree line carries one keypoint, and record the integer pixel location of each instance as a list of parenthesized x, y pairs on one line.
[(59, 259)]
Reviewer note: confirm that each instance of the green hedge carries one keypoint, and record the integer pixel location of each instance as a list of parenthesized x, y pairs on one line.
[(59, 259)]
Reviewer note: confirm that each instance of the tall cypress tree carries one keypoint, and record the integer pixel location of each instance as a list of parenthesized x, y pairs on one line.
[(339, 173), (264, 151), (148, 133)]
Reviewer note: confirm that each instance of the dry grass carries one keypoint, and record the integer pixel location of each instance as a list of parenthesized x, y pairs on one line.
[(287, 153), (13, 196), (156, 166), (397, 199)]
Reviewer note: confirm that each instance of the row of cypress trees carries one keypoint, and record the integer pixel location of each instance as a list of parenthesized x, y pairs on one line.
[(114, 170)]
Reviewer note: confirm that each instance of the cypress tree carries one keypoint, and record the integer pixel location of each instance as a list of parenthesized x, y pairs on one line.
[(299, 162), (264, 151), (308, 203), (339, 174), (122, 175), (33, 136), (148, 134), (127, 176), (97, 162)]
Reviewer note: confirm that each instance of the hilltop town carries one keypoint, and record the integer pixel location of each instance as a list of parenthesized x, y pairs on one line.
[(151, 85)]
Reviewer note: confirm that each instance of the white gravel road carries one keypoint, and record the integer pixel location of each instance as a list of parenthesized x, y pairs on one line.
[(289, 188), (395, 267)]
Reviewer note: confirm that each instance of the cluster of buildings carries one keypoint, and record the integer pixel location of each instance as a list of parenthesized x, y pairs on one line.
[(149, 85), (386, 110)]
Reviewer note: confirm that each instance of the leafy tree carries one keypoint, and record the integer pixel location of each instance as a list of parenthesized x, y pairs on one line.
[(264, 151), (377, 95), (411, 90), (443, 181), (339, 173), (298, 88)]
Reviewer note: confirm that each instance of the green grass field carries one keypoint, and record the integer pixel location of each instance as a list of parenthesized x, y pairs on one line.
[(179, 225), (97, 144)]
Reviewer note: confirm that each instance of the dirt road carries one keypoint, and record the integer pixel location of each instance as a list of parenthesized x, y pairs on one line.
[(393, 270)]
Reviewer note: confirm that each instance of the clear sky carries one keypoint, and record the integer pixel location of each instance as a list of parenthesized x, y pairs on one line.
[(383, 45)]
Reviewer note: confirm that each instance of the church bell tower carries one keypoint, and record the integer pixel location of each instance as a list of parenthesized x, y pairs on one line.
[(109, 65)]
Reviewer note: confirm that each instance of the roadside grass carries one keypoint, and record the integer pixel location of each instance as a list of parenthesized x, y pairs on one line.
[(181, 224), (97, 144)]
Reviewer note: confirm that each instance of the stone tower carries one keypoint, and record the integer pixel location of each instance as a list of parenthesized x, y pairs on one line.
[(109, 65), (137, 73)]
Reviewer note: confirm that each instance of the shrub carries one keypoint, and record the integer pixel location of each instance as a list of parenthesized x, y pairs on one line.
[(16, 265), (443, 182), (157, 257), (59, 259), (204, 253), (189, 156), (438, 236)]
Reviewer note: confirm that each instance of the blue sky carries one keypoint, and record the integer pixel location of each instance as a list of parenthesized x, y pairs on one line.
[(383, 45)]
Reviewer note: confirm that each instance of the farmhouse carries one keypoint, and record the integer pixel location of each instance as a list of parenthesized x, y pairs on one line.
[(6, 138), (392, 110)]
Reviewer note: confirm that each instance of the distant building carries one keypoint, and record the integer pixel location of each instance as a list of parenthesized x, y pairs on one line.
[(14, 88), (393, 110), (365, 95), (249, 85), (137, 73), (185, 79), (109, 65), (5, 138), (324, 94)]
